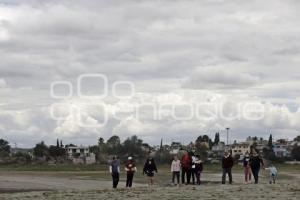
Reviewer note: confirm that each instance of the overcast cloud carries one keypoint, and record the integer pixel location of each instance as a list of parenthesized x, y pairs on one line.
[(174, 52)]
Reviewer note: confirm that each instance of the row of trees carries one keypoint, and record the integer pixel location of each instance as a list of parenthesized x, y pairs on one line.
[(41, 150), (134, 146)]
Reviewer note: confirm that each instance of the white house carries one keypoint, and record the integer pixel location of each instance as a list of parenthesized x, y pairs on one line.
[(240, 148), (218, 149), (80, 155), (281, 150)]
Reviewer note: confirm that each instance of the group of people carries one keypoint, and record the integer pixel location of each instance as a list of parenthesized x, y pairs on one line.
[(130, 168), (190, 167), (252, 165)]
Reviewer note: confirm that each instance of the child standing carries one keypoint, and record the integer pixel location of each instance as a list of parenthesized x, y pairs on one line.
[(273, 174), (175, 169)]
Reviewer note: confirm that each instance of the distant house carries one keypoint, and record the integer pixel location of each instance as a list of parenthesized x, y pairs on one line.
[(281, 150), (240, 148), (219, 149), (175, 148), (80, 155)]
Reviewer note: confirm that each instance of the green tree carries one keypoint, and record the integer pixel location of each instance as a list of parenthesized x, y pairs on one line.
[(4, 148), (297, 139), (57, 143), (56, 152), (217, 138), (41, 150), (113, 145), (296, 152), (133, 147)]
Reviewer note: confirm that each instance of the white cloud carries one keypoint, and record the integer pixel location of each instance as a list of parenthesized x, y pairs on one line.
[(220, 77), (218, 51)]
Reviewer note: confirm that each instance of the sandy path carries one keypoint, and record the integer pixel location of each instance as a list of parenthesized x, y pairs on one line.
[(36, 183)]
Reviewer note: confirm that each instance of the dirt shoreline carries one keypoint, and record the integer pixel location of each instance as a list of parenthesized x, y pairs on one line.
[(43, 187)]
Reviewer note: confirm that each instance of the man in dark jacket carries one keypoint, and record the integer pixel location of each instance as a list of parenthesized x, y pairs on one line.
[(227, 164), (114, 170), (255, 163), (149, 169)]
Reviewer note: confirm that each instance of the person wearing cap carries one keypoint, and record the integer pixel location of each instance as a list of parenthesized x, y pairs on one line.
[(227, 164), (114, 170), (130, 169)]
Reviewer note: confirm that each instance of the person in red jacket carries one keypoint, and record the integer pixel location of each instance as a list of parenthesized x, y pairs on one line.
[(130, 169), (186, 164), (227, 164)]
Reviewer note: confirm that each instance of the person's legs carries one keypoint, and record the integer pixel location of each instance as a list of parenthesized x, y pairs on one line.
[(127, 180), (173, 177), (274, 178), (183, 175), (198, 178), (193, 176), (246, 174), (115, 177), (113, 180), (230, 175), (255, 172), (224, 176), (130, 179), (188, 174), (249, 173), (257, 175), (178, 175)]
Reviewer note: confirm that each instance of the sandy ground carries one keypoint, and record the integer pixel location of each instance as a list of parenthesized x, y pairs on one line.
[(44, 187)]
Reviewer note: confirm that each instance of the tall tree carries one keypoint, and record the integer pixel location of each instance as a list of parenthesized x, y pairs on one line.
[(57, 143), (270, 142), (217, 138)]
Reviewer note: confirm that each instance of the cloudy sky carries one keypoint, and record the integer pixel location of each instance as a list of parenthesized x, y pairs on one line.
[(174, 69)]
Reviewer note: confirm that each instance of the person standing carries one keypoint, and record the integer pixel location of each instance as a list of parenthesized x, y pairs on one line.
[(149, 169), (114, 170), (193, 169), (273, 174), (130, 169), (198, 169), (186, 168), (175, 169), (255, 164), (227, 164), (247, 168)]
